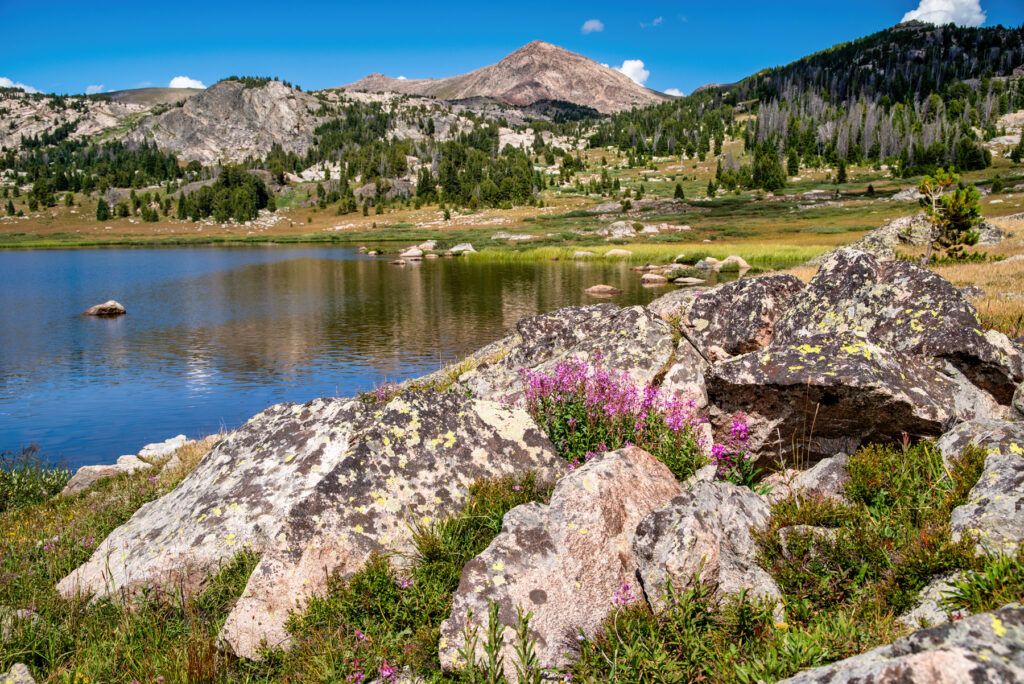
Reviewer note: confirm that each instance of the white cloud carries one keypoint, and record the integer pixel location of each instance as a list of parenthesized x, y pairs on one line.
[(940, 12), (674, 91), (401, 78), (8, 83), (185, 82), (592, 26), (93, 89), (634, 68), (656, 21)]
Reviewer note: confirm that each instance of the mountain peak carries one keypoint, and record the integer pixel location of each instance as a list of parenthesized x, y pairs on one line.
[(536, 71)]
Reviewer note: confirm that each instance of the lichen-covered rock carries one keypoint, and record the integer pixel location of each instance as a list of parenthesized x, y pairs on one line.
[(904, 307), (826, 479), (740, 317), (18, 674), (1018, 400), (677, 303), (533, 341), (235, 499), (314, 488), (706, 529), (633, 341), (994, 511), (929, 609), (563, 562), (685, 377), (853, 391), (412, 464), (982, 649)]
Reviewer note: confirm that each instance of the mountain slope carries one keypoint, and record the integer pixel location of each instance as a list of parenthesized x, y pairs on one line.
[(534, 72), (231, 121)]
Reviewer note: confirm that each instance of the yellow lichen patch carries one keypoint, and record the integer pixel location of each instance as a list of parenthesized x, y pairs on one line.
[(809, 349), (998, 627)]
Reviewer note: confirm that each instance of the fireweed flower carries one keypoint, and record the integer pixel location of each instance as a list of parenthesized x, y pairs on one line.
[(623, 595)]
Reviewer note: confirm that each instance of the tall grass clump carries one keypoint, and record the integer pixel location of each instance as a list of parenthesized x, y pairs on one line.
[(28, 478), (586, 410)]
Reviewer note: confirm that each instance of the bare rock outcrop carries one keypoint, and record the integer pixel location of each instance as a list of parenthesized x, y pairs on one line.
[(412, 463), (564, 562), (984, 649), (229, 122)]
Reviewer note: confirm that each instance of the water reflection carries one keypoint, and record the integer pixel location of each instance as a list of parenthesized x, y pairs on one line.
[(214, 335)]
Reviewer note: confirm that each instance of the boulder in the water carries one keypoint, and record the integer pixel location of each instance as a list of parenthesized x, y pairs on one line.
[(107, 309)]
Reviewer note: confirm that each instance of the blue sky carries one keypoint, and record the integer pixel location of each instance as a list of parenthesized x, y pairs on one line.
[(69, 46)]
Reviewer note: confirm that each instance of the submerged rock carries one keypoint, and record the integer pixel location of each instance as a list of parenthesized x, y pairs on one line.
[(703, 535), (984, 648), (603, 290), (108, 308), (564, 562)]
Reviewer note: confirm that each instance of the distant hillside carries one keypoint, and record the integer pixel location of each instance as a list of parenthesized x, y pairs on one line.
[(151, 97), (537, 71), (900, 63)]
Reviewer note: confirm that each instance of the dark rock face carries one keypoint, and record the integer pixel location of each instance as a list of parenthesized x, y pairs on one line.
[(704, 530), (631, 340), (851, 390), (906, 308), (316, 489), (1018, 400), (740, 317), (982, 649), (564, 562), (994, 512)]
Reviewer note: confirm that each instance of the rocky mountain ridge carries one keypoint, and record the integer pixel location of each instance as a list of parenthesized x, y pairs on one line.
[(535, 72)]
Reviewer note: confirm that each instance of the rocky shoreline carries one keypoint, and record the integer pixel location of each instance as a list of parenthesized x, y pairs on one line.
[(869, 351)]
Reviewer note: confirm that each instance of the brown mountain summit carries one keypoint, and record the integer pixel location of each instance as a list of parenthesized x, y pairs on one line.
[(537, 71)]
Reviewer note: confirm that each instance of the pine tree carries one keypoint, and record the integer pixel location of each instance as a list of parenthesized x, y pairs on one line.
[(841, 174), (679, 192), (102, 210), (793, 163)]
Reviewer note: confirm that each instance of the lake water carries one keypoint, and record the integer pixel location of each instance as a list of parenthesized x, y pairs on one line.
[(215, 335)]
